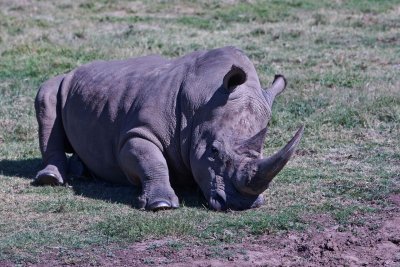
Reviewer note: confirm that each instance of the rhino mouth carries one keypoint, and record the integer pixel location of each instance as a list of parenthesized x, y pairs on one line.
[(218, 200), (233, 200)]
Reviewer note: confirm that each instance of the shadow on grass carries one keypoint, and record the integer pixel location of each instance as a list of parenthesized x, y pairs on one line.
[(123, 194), (127, 194), (96, 189), (23, 168)]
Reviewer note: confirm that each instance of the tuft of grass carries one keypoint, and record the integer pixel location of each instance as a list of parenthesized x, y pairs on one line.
[(232, 228), (319, 19), (346, 215), (135, 227), (33, 61), (66, 205), (372, 6), (197, 22), (341, 79), (385, 108), (345, 116), (263, 11)]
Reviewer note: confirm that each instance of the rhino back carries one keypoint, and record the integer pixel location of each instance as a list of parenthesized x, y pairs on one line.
[(104, 103)]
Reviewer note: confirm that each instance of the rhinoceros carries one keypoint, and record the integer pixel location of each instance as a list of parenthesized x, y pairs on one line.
[(159, 123)]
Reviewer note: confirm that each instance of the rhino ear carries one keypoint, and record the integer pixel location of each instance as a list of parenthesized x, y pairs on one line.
[(278, 85), (235, 77)]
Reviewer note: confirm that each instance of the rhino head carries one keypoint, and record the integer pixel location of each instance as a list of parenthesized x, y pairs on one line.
[(226, 155)]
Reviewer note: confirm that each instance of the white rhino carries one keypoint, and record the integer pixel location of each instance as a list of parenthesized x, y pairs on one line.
[(160, 123)]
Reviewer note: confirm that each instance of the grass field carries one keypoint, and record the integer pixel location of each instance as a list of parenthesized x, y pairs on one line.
[(342, 61)]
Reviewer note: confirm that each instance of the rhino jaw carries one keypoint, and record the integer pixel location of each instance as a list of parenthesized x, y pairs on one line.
[(257, 174), (219, 201)]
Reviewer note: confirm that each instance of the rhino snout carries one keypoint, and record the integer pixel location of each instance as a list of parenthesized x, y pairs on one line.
[(220, 201)]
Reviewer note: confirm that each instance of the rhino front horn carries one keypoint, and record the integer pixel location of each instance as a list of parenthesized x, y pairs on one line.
[(266, 169)]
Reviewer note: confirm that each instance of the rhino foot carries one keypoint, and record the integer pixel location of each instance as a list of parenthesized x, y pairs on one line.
[(162, 205), (48, 176), (158, 199)]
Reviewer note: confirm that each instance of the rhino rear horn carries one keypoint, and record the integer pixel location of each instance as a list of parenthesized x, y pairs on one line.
[(235, 77), (253, 143), (277, 87)]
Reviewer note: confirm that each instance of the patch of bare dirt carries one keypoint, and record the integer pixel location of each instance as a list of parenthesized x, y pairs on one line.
[(374, 243)]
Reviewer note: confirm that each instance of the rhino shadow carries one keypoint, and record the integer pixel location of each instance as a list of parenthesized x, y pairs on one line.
[(127, 194), (22, 168), (95, 189)]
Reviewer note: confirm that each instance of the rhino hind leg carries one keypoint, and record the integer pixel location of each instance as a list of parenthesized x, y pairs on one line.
[(52, 138), (143, 162)]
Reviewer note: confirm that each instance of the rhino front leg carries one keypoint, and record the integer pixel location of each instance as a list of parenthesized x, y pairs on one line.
[(143, 162), (52, 137)]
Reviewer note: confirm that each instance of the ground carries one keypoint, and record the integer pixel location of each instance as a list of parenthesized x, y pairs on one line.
[(337, 201), (374, 243)]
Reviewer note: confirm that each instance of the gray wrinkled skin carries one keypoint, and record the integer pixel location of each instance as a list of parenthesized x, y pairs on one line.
[(154, 122)]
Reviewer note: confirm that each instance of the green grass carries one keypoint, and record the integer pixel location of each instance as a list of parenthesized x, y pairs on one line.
[(342, 63)]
